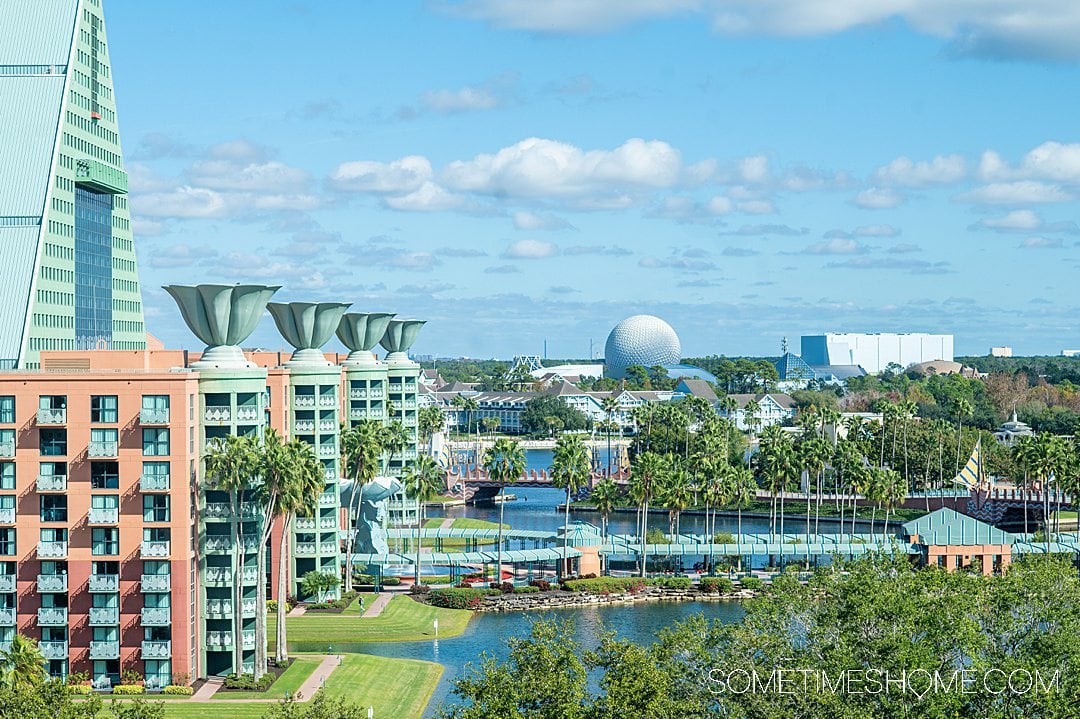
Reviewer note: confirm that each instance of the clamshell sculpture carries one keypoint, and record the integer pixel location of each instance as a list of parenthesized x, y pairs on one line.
[(399, 337), (222, 316), (360, 332), (307, 326)]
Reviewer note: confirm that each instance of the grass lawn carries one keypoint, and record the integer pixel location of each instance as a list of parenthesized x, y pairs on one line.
[(287, 683), (201, 710), (394, 687), (402, 620)]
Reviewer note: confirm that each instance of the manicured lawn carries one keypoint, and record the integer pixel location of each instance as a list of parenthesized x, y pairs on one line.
[(201, 710), (397, 688), (402, 620), (287, 683)]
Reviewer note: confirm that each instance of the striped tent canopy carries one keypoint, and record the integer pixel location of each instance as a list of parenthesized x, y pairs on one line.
[(971, 476)]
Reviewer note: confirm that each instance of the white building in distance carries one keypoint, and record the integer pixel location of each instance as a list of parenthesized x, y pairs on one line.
[(1001, 352), (874, 352)]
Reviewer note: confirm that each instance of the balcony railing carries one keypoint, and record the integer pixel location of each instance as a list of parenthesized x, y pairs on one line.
[(328, 499), (7, 449), (104, 616), (154, 549), (304, 426), (327, 425), (104, 582), (156, 616), (306, 549), (327, 400), (218, 640), (155, 582), (103, 515), (304, 523), (52, 616), (52, 483), (217, 414), (222, 510), (328, 547), (7, 617), (156, 650), (52, 416), (225, 543), (303, 401), (52, 549), (154, 483), (104, 650), (54, 650), (330, 475), (247, 414), (103, 449), (248, 607), (7, 515), (52, 583), (327, 450), (8, 583), (219, 608), (248, 637), (153, 416), (357, 393)]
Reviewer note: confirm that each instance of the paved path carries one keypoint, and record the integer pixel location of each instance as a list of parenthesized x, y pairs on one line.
[(377, 605), (297, 611), (207, 689), (304, 693), (447, 523)]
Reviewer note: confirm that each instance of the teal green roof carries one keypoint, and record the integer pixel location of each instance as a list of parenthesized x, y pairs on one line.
[(947, 526)]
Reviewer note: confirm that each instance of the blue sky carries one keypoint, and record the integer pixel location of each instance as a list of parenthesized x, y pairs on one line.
[(515, 171)]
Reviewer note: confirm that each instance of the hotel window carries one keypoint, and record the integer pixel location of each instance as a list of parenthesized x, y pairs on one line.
[(105, 475), (7, 409), (7, 501), (53, 507), (53, 535), (7, 475), (103, 408), (156, 567), (52, 402), (7, 541), (158, 470), (156, 405), (105, 541), (155, 441), (52, 441), (155, 508), (105, 501), (156, 534)]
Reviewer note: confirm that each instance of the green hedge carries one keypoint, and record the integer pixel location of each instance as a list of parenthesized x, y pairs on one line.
[(526, 590), (605, 585), (80, 688), (459, 598), (671, 582), (754, 583), (129, 689), (716, 585), (177, 690)]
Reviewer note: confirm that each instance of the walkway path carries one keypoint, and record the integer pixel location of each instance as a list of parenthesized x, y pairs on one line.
[(304, 693), (447, 523), (377, 605), (297, 611), (207, 689)]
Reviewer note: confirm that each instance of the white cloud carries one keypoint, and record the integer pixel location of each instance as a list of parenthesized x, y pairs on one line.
[(756, 207), (942, 170), (402, 176), (183, 202), (878, 198), (1015, 193), (864, 231), (754, 170), (428, 198), (576, 16), (1026, 221), (524, 220), (836, 247), (463, 100), (1041, 243), (530, 250), (1051, 161)]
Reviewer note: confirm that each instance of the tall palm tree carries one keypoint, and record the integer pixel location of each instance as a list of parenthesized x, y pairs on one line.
[(716, 490), (232, 466), (429, 420), (298, 498), (1025, 452), (888, 415), (22, 665), (813, 454), (569, 471), (505, 463), (422, 482), (361, 450), (646, 470), (893, 489), (909, 410), (743, 491), (779, 465), (962, 409), (604, 497), (752, 419), (609, 405), (273, 465), (471, 406), (676, 494)]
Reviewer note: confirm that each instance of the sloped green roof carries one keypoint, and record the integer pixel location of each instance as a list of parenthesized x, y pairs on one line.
[(947, 526)]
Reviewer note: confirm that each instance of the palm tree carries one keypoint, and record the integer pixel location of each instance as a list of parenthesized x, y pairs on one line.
[(569, 471), (505, 463), (893, 490), (604, 496), (274, 468), (429, 420), (361, 449), (909, 410), (962, 409), (676, 494), (1051, 459), (298, 497), (716, 490), (609, 405), (646, 470), (813, 455), (395, 438), (888, 414), (231, 466), (780, 468), (752, 419), (1025, 452), (22, 665), (422, 482), (471, 405)]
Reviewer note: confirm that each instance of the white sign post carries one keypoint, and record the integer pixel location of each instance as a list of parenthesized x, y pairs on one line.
[(436, 624)]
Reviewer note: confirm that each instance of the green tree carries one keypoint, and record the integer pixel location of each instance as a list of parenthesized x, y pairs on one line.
[(429, 421), (22, 665), (604, 496), (318, 584), (569, 471), (423, 482), (646, 471), (505, 463), (361, 450), (609, 405), (534, 418)]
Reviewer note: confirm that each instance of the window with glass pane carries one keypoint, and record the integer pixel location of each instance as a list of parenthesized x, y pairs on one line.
[(155, 402), (105, 541), (156, 601), (7, 541), (7, 409), (155, 508), (103, 408), (105, 600), (52, 401), (104, 475), (155, 534), (52, 441), (103, 435), (7, 475), (53, 535), (105, 501), (53, 508), (7, 501), (156, 567), (155, 441)]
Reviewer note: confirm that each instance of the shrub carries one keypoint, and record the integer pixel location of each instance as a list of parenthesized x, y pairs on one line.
[(130, 676), (181, 679), (391, 581), (542, 584), (723, 538), (247, 682), (526, 590), (506, 588), (655, 536), (419, 589), (716, 585), (605, 585), (81, 688), (459, 598), (78, 678), (177, 690), (129, 689), (752, 583), (671, 582)]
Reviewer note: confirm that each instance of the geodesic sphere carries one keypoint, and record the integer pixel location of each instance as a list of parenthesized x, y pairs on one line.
[(642, 340)]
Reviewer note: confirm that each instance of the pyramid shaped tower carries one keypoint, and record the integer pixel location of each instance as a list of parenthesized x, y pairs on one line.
[(66, 249)]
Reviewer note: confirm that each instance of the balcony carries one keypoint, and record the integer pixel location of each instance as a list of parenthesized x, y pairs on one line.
[(218, 640), (103, 449), (358, 393), (104, 650), (156, 616), (304, 426), (330, 475), (154, 483), (52, 616), (54, 650), (104, 583), (8, 583), (52, 550), (153, 416), (156, 650), (304, 523), (52, 416), (104, 616), (328, 499), (328, 547), (52, 583), (327, 425), (218, 414), (154, 549), (7, 449), (327, 401), (219, 609), (155, 583), (303, 401), (7, 515), (52, 483), (327, 450), (222, 510), (409, 422), (248, 637), (100, 177), (306, 549), (247, 414), (103, 515), (7, 617), (360, 413), (225, 543)]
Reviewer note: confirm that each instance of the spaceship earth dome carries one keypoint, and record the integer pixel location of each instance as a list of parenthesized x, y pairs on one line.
[(640, 340)]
